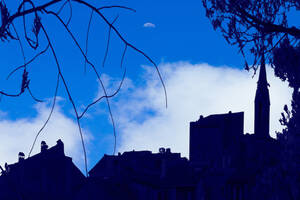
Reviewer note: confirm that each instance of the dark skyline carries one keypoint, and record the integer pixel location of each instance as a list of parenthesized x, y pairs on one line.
[(181, 42), (224, 163)]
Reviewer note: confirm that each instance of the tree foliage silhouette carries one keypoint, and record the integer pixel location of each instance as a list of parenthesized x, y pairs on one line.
[(28, 8), (248, 24)]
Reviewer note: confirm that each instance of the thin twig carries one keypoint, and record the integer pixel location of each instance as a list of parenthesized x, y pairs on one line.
[(10, 95), (91, 64), (124, 7), (49, 116), (23, 54), (30, 61), (107, 45), (62, 7), (70, 97), (104, 96), (71, 10), (33, 97), (33, 44), (127, 43), (71, 13), (123, 56), (87, 39)]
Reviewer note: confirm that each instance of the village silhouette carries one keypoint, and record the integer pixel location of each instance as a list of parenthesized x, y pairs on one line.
[(224, 163)]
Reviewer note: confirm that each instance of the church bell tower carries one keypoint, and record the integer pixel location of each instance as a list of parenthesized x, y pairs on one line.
[(262, 104)]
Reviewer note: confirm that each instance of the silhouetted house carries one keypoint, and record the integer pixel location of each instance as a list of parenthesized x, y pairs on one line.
[(146, 175), (47, 175), (233, 165)]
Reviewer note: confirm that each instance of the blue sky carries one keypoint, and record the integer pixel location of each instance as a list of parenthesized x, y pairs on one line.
[(179, 38)]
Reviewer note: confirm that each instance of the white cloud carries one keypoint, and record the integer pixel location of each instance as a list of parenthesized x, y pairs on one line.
[(149, 25), (18, 136), (193, 90)]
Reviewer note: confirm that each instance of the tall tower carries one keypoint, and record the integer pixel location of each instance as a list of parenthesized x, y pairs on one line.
[(262, 104)]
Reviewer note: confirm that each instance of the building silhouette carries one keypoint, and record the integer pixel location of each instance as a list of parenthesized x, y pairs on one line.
[(225, 163), (234, 160), (262, 104), (47, 175)]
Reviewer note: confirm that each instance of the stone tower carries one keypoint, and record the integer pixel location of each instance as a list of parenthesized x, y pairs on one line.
[(262, 104)]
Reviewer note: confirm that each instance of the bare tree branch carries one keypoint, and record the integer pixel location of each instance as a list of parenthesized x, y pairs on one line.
[(27, 63), (70, 97), (42, 10), (49, 116), (87, 38)]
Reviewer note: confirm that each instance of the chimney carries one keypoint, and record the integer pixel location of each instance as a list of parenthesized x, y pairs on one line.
[(168, 151), (21, 156), (44, 146), (60, 146), (162, 150)]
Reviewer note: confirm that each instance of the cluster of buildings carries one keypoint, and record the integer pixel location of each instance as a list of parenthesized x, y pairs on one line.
[(224, 164)]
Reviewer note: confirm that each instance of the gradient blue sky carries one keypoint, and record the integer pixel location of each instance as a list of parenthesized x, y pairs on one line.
[(181, 32)]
